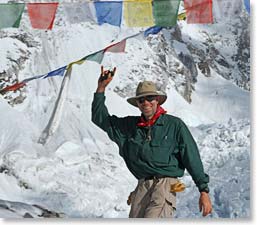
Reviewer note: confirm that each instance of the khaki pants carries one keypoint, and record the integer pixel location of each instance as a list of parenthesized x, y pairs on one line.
[(153, 199)]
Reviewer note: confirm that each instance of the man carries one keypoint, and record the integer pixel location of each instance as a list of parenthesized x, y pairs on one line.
[(156, 147)]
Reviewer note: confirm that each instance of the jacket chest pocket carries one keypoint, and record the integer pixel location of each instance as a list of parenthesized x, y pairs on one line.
[(161, 152)]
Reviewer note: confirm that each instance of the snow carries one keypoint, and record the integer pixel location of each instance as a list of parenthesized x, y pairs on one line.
[(179, 47), (79, 172)]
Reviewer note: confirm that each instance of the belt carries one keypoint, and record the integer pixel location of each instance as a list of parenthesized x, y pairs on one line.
[(157, 177)]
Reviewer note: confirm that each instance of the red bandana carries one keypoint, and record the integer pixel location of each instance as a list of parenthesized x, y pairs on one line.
[(146, 123)]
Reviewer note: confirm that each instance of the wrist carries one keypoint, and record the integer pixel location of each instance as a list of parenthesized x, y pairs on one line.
[(100, 90)]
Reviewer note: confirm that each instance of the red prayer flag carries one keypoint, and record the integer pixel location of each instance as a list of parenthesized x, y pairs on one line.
[(42, 15), (13, 87), (117, 47), (198, 11)]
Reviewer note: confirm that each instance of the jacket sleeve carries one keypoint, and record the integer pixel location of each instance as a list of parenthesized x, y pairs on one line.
[(191, 158), (115, 127)]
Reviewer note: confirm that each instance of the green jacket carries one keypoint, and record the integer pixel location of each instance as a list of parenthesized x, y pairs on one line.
[(166, 148)]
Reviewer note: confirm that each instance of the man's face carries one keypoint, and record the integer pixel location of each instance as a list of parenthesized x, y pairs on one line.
[(148, 105)]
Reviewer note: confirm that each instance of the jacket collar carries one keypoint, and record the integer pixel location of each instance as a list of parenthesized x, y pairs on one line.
[(160, 121)]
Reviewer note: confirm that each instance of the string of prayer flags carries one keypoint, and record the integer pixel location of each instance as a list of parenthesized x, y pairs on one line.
[(79, 12), (42, 15), (247, 5), (138, 13), (226, 10), (57, 72), (108, 12), (165, 12), (198, 11), (10, 14), (97, 57)]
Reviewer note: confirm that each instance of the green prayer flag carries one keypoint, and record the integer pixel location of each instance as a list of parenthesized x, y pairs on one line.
[(165, 12), (97, 57), (10, 14)]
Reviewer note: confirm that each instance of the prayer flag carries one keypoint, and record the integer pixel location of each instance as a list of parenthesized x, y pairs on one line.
[(80, 12), (247, 5), (58, 72), (138, 13), (165, 12), (10, 14), (108, 12), (152, 30), (198, 11), (182, 16), (117, 47), (42, 15), (78, 62), (97, 57), (13, 87), (226, 10)]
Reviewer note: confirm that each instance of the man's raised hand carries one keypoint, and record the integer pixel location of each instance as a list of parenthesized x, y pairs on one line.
[(105, 78)]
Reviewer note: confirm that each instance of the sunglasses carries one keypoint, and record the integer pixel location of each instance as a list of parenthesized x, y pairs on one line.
[(148, 98)]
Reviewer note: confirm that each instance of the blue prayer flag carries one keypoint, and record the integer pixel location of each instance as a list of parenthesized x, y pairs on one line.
[(108, 12), (247, 5), (58, 72), (152, 30)]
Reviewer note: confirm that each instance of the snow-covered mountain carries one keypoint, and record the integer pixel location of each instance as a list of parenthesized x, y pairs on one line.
[(205, 71)]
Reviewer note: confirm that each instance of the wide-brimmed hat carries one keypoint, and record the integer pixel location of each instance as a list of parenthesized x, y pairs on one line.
[(147, 88)]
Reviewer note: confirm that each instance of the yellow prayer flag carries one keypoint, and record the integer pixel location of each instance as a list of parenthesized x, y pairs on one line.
[(182, 16), (138, 13), (78, 62)]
